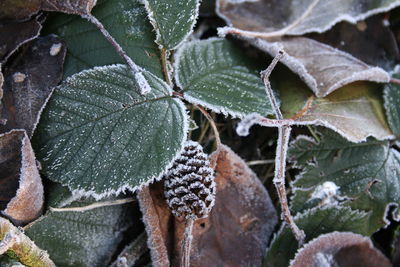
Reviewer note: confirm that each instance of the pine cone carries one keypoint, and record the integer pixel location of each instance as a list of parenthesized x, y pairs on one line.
[(189, 183)]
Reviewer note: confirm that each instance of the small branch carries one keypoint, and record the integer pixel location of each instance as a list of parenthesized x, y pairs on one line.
[(279, 181), (260, 162), (21, 246), (165, 66), (281, 154), (212, 123), (395, 81), (132, 252), (94, 205), (187, 243), (140, 80)]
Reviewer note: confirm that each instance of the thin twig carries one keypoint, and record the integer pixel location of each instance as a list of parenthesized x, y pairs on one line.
[(260, 162), (132, 252), (212, 123), (187, 243), (165, 66), (395, 81), (269, 35), (95, 205), (281, 154), (140, 80)]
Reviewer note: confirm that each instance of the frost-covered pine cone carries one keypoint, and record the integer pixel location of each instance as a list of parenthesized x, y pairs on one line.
[(189, 183)]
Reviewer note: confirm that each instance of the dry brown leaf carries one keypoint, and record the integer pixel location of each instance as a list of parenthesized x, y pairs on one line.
[(21, 186), (10, 41), (287, 17), (18, 9), (235, 233), (342, 249), (322, 67), (29, 81), (78, 7)]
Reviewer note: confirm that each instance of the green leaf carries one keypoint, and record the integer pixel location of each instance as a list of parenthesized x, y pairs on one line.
[(347, 110), (88, 238), (391, 97), (173, 20), (99, 136), (217, 75), (314, 223), (87, 47), (367, 174)]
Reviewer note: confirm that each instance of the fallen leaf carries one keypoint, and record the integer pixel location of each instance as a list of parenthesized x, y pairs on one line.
[(78, 7), (344, 249), (323, 68), (286, 17), (345, 111), (10, 42), (18, 9), (29, 80), (235, 233), (21, 186)]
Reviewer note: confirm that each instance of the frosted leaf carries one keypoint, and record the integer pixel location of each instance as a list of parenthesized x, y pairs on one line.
[(99, 136), (391, 97), (88, 238), (367, 174), (297, 17), (215, 74), (125, 20), (172, 20), (314, 222)]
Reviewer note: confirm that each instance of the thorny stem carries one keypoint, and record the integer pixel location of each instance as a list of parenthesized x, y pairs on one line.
[(212, 123), (165, 66), (187, 243), (141, 82), (281, 153)]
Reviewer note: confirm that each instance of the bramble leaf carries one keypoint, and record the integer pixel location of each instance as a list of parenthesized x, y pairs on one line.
[(99, 136), (215, 74)]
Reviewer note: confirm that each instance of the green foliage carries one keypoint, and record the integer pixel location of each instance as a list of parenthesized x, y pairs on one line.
[(392, 104), (174, 28), (216, 74), (99, 135), (127, 23), (367, 174), (314, 222)]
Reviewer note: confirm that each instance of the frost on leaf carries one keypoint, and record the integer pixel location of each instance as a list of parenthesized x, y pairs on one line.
[(340, 249), (215, 74), (99, 136), (29, 82), (286, 17), (79, 7), (391, 97), (367, 174), (313, 222), (174, 28), (91, 236), (345, 111), (323, 68), (125, 20), (21, 186), (237, 229)]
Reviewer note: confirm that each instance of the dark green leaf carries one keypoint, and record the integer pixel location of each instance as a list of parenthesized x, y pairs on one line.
[(391, 97), (216, 74), (98, 135)]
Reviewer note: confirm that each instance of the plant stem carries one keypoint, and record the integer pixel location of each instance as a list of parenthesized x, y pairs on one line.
[(132, 252), (141, 82), (165, 66), (281, 153), (187, 243), (212, 123), (21, 246), (95, 205)]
